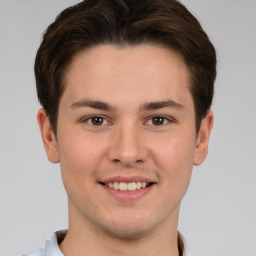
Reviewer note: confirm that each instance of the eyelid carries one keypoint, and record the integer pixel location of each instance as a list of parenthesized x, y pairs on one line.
[(167, 119), (87, 118)]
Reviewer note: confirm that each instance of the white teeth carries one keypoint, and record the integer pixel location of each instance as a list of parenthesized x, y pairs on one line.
[(116, 185), (138, 185), (131, 186), (123, 186)]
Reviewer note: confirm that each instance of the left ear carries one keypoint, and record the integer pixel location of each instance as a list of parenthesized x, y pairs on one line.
[(203, 139)]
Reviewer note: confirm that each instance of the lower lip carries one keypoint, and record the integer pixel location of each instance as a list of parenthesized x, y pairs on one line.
[(128, 195)]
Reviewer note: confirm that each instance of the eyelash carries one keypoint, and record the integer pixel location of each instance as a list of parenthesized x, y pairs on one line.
[(89, 120), (165, 119)]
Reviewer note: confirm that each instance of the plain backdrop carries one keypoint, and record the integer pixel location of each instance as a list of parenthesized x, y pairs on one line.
[(218, 214)]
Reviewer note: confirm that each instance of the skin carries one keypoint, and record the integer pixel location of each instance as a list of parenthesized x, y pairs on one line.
[(126, 141)]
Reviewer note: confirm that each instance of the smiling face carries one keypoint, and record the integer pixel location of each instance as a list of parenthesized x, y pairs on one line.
[(126, 138)]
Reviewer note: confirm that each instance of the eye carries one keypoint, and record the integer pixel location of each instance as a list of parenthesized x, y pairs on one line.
[(158, 120), (96, 121)]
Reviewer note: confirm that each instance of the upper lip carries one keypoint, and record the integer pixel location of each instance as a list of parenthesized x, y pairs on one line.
[(126, 179)]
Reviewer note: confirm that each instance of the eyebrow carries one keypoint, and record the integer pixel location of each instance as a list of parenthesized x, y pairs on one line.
[(92, 104), (161, 104), (146, 106)]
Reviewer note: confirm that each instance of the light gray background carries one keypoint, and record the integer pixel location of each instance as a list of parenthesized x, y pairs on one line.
[(218, 215)]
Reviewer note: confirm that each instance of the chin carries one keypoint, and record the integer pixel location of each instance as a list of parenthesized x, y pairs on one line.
[(127, 227), (127, 233)]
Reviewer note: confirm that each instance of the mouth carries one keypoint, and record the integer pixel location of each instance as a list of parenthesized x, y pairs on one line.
[(128, 186)]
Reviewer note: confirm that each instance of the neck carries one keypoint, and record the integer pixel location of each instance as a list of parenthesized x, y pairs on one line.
[(84, 238)]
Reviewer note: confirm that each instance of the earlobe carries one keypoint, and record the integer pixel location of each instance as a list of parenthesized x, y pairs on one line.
[(48, 136), (203, 137)]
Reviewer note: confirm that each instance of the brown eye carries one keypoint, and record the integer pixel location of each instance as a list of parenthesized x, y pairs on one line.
[(97, 120), (158, 120)]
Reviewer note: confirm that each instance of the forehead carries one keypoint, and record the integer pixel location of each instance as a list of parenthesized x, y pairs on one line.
[(128, 71), (108, 57)]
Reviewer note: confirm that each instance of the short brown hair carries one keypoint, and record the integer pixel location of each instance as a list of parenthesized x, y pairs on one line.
[(124, 22)]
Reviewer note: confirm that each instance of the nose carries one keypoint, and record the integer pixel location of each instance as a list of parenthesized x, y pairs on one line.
[(127, 146)]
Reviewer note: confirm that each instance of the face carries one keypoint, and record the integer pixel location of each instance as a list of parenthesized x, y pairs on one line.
[(126, 138)]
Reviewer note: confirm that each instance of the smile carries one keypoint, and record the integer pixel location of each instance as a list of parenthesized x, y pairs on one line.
[(127, 188), (131, 186)]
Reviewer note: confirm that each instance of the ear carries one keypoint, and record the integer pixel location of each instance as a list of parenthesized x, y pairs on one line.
[(203, 139), (48, 136)]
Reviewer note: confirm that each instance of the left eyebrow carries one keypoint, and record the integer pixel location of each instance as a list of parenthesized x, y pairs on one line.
[(161, 104)]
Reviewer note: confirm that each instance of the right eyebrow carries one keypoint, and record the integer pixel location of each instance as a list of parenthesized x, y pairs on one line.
[(91, 104)]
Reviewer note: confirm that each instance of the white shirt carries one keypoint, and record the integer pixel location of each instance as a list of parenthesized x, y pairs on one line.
[(52, 247)]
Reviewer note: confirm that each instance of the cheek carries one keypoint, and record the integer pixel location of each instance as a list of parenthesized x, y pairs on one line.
[(80, 157), (172, 150), (174, 159)]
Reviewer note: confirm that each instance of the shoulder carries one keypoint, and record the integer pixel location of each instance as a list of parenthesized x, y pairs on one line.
[(40, 252)]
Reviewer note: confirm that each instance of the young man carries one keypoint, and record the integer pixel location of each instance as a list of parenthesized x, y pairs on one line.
[(126, 88)]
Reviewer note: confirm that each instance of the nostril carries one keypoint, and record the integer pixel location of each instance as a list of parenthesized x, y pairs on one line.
[(116, 161)]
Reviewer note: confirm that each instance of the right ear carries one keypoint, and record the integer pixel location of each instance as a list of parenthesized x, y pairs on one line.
[(48, 136)]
